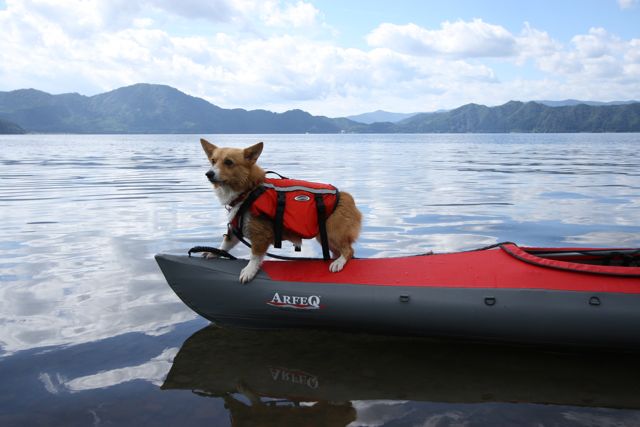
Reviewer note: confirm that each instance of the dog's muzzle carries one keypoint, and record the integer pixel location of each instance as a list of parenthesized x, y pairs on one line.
[(211, 176)]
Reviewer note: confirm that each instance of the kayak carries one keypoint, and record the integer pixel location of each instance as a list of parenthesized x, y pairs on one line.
[(573, 296), (333, 368)]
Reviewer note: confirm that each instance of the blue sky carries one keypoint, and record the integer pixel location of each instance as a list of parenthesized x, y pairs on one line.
[(327, 57)]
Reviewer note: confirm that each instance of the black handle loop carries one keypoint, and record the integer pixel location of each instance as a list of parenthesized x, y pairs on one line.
[(219, 252), (275, 173)]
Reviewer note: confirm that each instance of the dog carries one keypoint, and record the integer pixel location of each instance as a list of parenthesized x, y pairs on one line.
[(234, 174)]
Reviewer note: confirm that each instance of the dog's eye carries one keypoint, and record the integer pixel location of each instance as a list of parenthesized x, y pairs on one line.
[(213, 161), (228, 162)]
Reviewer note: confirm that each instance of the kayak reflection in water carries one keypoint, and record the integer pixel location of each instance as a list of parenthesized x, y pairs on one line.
[(269, 378)]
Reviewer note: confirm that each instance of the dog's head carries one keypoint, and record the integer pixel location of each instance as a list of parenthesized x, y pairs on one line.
[(233, 168)]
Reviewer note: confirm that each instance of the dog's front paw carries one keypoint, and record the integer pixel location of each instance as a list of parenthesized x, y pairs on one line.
[(209, 255), (248, 273), (338, 264)]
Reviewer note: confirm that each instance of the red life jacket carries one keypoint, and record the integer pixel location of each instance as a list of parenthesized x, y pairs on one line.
[(301, 207)]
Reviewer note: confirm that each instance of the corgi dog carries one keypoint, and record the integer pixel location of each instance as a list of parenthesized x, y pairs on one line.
[(235, 174)]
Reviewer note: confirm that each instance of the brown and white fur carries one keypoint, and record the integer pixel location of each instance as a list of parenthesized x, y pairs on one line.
[(234, 173)]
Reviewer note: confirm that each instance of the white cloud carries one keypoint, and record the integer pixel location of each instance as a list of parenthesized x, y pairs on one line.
[(534, 43), (211, 10), (299, 15), (599, 61), (462, 39), (627, 4), (278, 72), (596, 44), (76, 18)]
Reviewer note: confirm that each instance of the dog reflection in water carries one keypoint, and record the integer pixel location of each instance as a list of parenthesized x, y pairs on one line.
[(272, 413)]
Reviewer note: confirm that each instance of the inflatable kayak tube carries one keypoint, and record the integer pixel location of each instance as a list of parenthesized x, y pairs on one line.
[(572, 296)]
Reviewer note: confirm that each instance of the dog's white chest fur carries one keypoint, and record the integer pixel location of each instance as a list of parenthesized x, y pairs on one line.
[(225, 194), (226, 197)]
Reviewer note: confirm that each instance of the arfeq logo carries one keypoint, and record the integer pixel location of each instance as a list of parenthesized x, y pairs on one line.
[(294, 376), (302, 198), (299, 303)]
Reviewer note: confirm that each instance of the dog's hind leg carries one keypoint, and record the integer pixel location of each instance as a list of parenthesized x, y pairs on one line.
[(343, 228), (346, 253)]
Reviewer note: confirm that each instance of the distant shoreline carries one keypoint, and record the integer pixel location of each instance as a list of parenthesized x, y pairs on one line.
[(160, 109)]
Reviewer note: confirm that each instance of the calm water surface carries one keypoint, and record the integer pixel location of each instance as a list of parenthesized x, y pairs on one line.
[(90, 334)]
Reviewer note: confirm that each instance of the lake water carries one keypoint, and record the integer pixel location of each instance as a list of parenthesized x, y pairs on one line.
[(90, 333)]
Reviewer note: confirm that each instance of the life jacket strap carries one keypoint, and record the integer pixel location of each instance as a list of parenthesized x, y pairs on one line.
[(237, 224), (278, 220), (322, 226), (275, 173)]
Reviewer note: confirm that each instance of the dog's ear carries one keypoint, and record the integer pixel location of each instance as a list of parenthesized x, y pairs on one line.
[(208, 147), (252, 153)]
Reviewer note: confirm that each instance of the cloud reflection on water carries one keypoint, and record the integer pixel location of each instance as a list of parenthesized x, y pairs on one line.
[(153, 371)]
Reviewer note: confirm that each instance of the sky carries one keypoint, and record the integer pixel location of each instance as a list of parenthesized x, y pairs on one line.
[(328, 57)]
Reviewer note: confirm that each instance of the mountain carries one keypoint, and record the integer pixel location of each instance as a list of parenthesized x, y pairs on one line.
[(571, 102), (515, 116), (7, 128), (380, 116), (147, 108)]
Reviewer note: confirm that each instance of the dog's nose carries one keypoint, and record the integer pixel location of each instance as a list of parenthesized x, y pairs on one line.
[(211, 175)]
